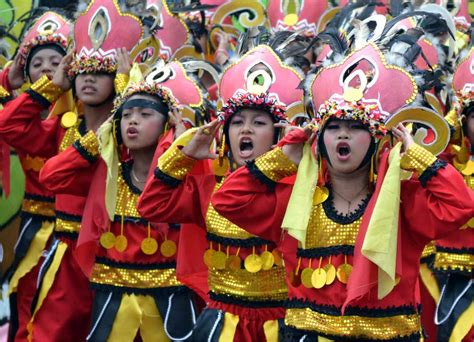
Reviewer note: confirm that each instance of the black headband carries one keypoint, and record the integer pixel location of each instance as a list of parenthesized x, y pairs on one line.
[(142, 103)]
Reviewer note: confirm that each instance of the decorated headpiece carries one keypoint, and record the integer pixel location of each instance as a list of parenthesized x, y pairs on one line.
[(50, 28), (178, 79), (98, 33), (463, 81), (260, 79), (305, 17)]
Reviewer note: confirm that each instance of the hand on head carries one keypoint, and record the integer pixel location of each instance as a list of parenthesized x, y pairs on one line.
[(295, 137), (60, 77), (176, 120), (124, 64), (15, 73), (403, 135)]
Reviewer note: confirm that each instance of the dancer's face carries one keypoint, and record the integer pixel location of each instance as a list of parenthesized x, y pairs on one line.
[(251, 134), (43, 62), (347, 142), (94, 89)]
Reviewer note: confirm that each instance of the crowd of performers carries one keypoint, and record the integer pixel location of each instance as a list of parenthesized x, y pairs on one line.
[(242, 171)]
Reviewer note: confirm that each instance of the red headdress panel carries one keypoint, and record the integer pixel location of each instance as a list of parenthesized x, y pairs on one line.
[(463, 80), (50, 28), (98, 32), (365, 87), (261, 79)]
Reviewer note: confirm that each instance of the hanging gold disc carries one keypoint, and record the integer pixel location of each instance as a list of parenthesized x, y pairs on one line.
[(107, 240), (267, 260), (343, 273), (306, 277), (208, 257), (218, 260), (277, 257), (220, 166), (121, 243), (330, 273), (149, 246), (295, 279), (318, 278), (168, 248), (233, 262), (253, 263), (68, 119)]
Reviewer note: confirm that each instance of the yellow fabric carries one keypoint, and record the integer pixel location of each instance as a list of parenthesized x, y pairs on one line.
[(137, 312), (430, 282), (270, 328), (230, 325), (65, 103), (135, 77), (300, 204), (380, 242), (109, 154), (33, 254), (324, 339), (48, 280), (463, 325)]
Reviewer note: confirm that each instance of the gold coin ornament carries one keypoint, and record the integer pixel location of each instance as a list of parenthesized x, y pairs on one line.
[(253, 263), (352, 94), (107, 240), (121, 243), (343, 273), (318, 278), (168, 248), (306, 275), (220, 166), (267, 260), (219, 260), (320, 195), (233, 262), (330, 273), (149, 246), (291, 19), (68, 119), (277, 260), (208, 257)]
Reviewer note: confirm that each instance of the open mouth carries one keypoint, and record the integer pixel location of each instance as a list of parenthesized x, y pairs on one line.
[(343, 151), (132, 132), (245, 148), (89, 89)]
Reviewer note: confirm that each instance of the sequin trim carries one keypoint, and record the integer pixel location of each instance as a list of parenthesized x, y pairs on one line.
[(46, 89), (38, 207), (88, 146), (453, 262), (133, 278), (380, 328), (120, 82), (263, 285), (67, 226), (275, 165), (176, 164), (417, 158)]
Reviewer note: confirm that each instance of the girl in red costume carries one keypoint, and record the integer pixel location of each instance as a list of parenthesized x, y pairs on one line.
[(244, 273), (61, 284), (351, 252), (40, 53)]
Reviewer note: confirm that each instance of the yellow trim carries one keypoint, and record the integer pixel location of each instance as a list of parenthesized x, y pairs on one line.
[(120, 83), (430, 249), (275, 165), (175, 163), (137, 313), (67, 226), (230, 326), (270, 328), (428, 278), (33, 254), (133, 278), (90, 143), (47, 89), (38, 207), (463, 325), (47, 283), (417, 158), (377, 328)]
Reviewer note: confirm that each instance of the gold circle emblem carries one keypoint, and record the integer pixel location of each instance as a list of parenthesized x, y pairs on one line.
[(318, 278), (233, 262), (218, 260), (168, 248), (253, 263), (267, 260), (352, 94), (149, 246), (291, 19), (306, 275), (330, 273), (121, 243), (208, 257), (107, 240), (68, 119), (343, 273), (277, 258)]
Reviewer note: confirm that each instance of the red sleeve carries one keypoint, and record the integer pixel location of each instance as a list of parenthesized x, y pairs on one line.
[(439, 207), (252, 205), (22, 128), (69, 172), (185, 203)]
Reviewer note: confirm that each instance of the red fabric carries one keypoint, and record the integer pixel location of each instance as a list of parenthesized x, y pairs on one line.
[(428, 307), (425, 214), (4, 81), (65, 313), (25, 294)]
